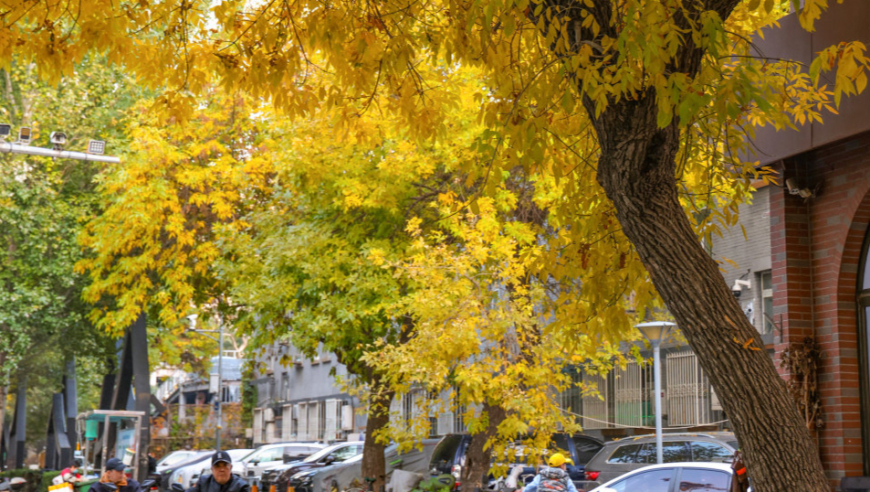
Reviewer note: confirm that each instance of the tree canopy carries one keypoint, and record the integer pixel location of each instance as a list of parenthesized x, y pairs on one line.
[(633, 111)]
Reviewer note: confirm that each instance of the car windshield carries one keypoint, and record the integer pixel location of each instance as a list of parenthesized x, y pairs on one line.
[(173, 458), (321, 453)]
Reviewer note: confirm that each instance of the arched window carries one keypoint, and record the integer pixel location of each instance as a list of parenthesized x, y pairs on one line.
[(863, 346)]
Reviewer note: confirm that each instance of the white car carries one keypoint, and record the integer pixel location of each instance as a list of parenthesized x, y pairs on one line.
[(697, 477), (173, 458), (269, 455)]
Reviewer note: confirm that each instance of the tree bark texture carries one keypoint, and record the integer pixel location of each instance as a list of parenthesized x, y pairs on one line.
[(637, 171), (373, 463), (477, 459)]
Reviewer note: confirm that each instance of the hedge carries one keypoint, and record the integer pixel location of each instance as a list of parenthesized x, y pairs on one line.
[(37, 480)]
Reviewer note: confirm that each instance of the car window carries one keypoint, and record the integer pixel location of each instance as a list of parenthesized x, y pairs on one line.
[(710, 451), (271, 454), (346, 452), (586, 449), (651, 481), (672, 452), (559, 444), (701, 480), (445, 452), (624, 454)]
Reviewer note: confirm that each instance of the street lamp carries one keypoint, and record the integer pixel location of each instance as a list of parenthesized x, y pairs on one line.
[(655, 332), (220, 341)]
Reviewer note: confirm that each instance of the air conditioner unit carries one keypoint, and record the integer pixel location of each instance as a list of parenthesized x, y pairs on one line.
[(347, 417)]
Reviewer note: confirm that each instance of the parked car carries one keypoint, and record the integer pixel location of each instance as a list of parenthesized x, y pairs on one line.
[(166, 476), (449, 455), (341, 476), (279, 476), (617, 458), (173, 458), (270, 455), (673, 477), (188, 475)]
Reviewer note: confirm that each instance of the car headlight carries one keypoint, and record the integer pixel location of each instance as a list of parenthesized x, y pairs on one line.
[(304, 477)]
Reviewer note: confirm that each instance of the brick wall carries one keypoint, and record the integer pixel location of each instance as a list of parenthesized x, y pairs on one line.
[(815, 246)]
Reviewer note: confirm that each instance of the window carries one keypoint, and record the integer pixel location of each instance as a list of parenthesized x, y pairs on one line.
[(624, 454), (559, 444), (347, 452), (285, 386), (766, 302), (703, 480), (709, 451), (672, 452), (586, 449), (651, 481)]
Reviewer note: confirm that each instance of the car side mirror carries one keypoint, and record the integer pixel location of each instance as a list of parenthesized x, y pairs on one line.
[(255, 462), (176, 487), (329, 459)]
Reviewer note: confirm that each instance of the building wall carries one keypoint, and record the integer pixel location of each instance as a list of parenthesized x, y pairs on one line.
[(748, 257), (816, 249)]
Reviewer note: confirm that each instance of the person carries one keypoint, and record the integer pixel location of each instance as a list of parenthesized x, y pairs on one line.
[(222, 478), (69, 474), (553, 478), (115, 475), (152, 464)]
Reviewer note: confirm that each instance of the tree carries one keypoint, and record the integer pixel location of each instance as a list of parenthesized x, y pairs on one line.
[(651, 96), (43, 203), (318, 264)]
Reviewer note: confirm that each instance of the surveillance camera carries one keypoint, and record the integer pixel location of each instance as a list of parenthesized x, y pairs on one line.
[(739, 285), (5, 130), (58, 138), (795, 189)]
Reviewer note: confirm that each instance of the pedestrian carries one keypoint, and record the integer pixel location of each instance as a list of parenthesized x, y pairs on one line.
[(553, 478), (222, 478), (115, 475), (152, 464), (69, 474)]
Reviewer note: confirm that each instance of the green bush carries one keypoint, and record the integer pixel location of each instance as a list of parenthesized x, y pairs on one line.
[(37, 480)]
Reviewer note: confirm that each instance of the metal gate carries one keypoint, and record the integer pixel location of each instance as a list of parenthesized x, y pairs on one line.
[(688, 390), (633, 390), (596, 406)]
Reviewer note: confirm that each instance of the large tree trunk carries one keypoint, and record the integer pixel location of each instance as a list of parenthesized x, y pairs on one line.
[(373, 464), (637, 171), (478, 459)]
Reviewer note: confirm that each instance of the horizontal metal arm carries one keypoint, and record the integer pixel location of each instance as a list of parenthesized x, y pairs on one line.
[(11, 148)]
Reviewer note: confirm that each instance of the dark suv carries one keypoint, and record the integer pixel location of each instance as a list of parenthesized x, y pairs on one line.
[(449, 455), (619, 457)]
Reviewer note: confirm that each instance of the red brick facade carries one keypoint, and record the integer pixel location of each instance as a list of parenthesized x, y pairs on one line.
[(816, 247)]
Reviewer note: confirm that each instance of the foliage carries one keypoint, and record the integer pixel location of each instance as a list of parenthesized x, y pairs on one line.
[(616, 109), (153, 247), (43, 204)]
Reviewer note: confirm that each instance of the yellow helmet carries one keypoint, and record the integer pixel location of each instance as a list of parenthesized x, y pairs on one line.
[(558, 459)]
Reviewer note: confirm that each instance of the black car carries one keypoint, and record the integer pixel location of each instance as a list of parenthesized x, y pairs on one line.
[(337, 453), (449, 455)]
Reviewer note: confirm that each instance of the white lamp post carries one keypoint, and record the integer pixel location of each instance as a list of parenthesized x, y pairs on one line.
[(655, 332)]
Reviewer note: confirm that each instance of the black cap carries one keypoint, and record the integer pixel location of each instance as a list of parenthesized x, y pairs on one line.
[(115, 464), (221, 456)]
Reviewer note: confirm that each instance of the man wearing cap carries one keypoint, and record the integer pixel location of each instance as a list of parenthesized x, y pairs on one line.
[(115, 475), (221, 478), (553, 478)]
